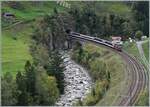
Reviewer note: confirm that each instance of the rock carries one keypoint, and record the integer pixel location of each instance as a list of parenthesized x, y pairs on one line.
[(78, 83)]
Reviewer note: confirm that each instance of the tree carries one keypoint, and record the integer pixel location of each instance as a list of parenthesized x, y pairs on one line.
[(93, 92), (85, 30), (22, 87), (8, 90), (51, 31), (141, 15), (55, 10), (39, 54), (46, 87), (126, 29), (80, 102), (139, 34), (30, 78), (108, 25), (55, 68)]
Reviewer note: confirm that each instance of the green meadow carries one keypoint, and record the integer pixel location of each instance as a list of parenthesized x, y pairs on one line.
[(15, 49)]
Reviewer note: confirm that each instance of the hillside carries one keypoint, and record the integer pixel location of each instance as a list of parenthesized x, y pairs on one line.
[(98, 61), (16, 38), (36, 47), (15, 48), (26, 11)]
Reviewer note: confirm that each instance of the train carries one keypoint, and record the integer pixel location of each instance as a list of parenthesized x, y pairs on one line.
[(97, 40)]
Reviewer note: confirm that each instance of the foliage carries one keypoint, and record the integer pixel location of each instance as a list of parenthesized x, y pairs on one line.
[(141, 15), (8, 89), (56, 68), (46, 87), (99, 61), (51, 31), (15, 53), (34, 87), (43, 80), (39, 53), (22, 88), (139, 34), (47, 40), (30, 80), (98, 70), (88, 21), (98, 90), (115, 19)]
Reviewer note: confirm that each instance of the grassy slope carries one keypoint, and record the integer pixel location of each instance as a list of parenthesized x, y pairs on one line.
[(16, 52), (31, 11), (132, 49), (145, 47), (117, 68), (28, 13), (120, 8)]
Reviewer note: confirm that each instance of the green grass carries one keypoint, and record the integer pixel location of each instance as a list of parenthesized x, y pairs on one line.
[(131, 48), (144, 98), (145, 47), (119, 8), (30, 11), (15, 52)]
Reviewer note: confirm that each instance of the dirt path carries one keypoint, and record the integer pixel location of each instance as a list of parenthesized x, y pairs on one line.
[(139, 45)]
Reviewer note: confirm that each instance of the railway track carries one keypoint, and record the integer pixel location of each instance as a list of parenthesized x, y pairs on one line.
[(138, 83), (137, 71)]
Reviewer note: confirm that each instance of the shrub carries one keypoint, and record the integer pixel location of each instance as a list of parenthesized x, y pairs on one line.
[(139, 34), (96, 93), (14, 38)]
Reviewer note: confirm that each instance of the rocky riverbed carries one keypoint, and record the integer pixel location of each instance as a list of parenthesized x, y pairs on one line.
[(78, 83)]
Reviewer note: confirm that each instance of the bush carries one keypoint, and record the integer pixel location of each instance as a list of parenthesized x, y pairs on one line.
[(46, 87), (139, 34), (90, 101), (8, 90), (96, 93), (14, 38)]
